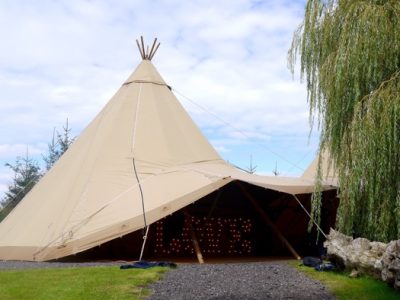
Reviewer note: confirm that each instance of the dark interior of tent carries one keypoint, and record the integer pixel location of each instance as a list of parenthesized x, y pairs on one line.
[(238, 221)]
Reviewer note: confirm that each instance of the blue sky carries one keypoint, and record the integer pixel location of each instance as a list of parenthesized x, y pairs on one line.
[(65, 59)]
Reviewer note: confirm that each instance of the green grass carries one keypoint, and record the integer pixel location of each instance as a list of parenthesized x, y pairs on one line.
[(77, 283), (346, 288)]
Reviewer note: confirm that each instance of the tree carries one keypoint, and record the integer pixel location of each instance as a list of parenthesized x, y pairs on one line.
[(350, 58), (27, 171), (64, 140), (56, 148), (53, 152), (26, 175)]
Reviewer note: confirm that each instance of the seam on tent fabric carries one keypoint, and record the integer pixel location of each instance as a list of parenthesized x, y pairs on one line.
[(133, 152), (136, 118), (206, 160), (169, 165)]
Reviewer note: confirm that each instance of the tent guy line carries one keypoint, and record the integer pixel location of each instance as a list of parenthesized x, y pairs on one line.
[(299, 161), (294, 165), (311, 218)]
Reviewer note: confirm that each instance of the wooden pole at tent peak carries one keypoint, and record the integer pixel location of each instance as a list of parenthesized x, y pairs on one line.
[(140, 49), (268, 221), (147, 53), (152, 48), (154, 52), (143, 50), (194, 237)]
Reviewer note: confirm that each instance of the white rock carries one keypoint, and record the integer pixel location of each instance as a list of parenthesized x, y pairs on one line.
[(373, 258)]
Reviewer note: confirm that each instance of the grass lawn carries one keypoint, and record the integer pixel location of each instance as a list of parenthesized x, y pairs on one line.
[(346, 288), (77, 283)]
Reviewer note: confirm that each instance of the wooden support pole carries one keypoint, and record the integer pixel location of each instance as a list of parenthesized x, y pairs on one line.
[(140, 49), (194, 238), (155, 50), (143, 50), (268, 220), (214, 204), (152, 48)]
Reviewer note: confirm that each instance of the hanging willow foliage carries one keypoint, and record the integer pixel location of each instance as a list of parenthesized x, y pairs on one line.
[(350, 59)]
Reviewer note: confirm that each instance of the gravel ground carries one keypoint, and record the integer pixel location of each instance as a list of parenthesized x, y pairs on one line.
[(261, 280), (233, 281)]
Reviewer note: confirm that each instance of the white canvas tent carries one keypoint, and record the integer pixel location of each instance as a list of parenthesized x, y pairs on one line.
[(142, 152)]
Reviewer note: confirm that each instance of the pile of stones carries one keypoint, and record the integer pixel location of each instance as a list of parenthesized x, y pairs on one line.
[(361, 256)]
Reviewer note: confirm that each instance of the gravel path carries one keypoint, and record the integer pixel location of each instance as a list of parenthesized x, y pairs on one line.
[(261, 280), (234, 281)]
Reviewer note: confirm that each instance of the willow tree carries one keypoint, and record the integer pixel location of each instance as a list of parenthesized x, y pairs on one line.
[(349, 53)]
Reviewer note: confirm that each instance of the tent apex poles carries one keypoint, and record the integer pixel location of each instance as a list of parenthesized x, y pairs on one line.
[(147, 53)]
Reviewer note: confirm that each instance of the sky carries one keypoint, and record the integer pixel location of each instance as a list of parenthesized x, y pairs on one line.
[(225, 60)]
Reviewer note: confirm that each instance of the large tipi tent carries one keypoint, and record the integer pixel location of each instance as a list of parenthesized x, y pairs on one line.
[(141, 159)]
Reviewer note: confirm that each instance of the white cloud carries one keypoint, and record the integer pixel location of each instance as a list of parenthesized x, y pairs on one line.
[(7, 150)]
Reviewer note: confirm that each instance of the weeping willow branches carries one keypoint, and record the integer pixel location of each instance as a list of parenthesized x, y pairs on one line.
[(350, 59)]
